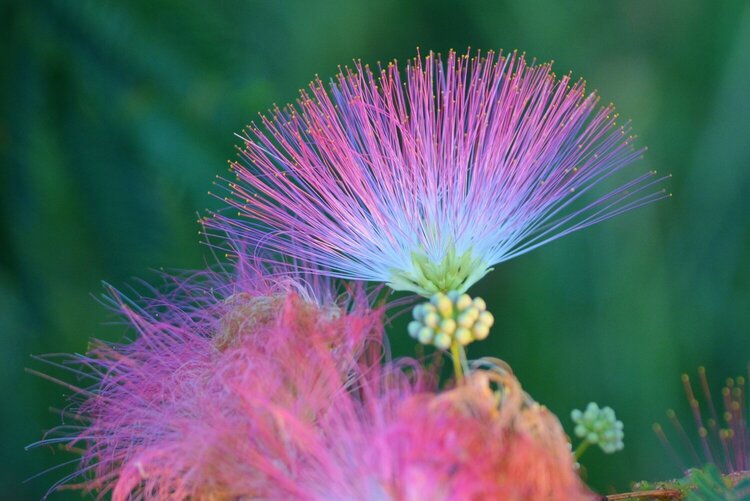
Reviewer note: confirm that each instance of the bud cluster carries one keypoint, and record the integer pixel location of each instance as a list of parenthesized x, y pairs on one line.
[(599, 426), (450, 317)]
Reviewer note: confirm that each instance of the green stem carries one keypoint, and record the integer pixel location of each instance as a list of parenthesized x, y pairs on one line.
[(457, 364), (581, 449)]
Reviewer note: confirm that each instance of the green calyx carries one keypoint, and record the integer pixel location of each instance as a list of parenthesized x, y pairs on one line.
[(425, 277)]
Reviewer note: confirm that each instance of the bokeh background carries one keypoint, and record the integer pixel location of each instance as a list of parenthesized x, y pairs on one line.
[(116, 116)]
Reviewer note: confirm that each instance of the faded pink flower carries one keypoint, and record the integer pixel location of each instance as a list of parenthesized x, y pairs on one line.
[(468, 443), (266, 394)]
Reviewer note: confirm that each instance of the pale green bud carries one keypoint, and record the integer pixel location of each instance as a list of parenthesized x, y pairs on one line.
[(463, 302), (486, 318), (442, 341), (480, 331), (414, 327), (448, 326), (431, 320), (463, 336), (480, 304), (425, 335)]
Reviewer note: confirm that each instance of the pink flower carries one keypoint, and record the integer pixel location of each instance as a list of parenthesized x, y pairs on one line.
[(208, 354), (426, 183), (456, 445), (248, 389)]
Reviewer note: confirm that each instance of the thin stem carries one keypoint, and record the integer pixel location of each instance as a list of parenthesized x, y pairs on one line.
[(581, 449), (654, 494), (456, 352)]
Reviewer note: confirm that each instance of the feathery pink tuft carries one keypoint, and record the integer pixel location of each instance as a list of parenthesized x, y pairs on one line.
[(265, 394), (455, 445), (426, 183), (168, 392)]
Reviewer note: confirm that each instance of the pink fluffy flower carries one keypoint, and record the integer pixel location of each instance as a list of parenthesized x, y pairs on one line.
[(425, 179), (249, 388), (481, 440), (163, 397)]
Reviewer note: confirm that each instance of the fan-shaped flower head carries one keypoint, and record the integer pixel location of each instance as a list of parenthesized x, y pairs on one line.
[(425, 183)]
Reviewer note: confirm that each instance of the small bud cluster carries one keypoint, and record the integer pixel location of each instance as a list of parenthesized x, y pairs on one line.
[(599, 426), (451, 317)]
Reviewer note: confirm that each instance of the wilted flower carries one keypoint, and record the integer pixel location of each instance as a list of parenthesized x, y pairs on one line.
[(250, 388), (426, 183), (482, 440), (154, 415)]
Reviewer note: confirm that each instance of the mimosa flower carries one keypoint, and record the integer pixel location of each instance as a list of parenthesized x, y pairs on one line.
[(259, 392), (426, 179), (156, 415), (469, 443)]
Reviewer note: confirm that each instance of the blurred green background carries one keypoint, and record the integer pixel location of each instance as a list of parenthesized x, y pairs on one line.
[(116, 116)]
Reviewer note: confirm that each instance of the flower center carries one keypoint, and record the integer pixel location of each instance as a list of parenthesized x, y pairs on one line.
[(427, 277)]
